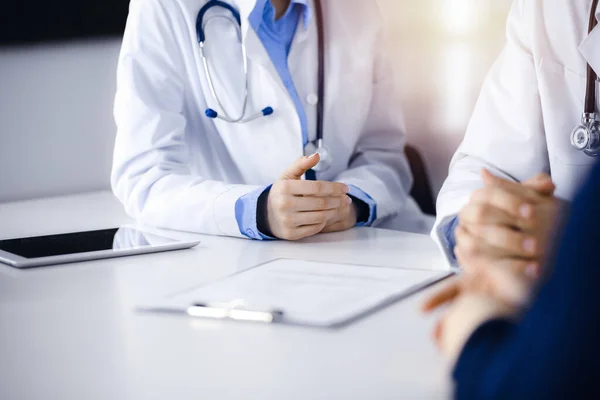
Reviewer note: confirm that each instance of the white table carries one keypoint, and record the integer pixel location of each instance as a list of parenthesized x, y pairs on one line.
[(71, 332)]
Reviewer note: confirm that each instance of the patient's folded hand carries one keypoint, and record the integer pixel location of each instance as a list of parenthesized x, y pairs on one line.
[(475, 297), (510, 287)]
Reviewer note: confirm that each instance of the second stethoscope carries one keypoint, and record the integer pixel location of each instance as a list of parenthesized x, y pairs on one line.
[(586, 137), (316, 146)]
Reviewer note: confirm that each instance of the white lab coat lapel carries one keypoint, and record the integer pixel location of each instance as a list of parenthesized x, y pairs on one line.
[(303, 63), (301, 33), (255, 48), (258, 55), (590, 47)]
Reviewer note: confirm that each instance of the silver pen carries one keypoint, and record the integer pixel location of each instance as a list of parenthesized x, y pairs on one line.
[(215, 311)]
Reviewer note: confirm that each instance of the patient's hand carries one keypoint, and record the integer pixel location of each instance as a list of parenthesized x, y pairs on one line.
[(465, 315), (491, 241), (474, 298), (510, 287), (501, 243)]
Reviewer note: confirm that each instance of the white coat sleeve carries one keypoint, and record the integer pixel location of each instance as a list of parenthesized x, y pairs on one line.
[(505, 134), (151, 175), (379, 166)]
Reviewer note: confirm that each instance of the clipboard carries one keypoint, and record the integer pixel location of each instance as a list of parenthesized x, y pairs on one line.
[(301, 293)]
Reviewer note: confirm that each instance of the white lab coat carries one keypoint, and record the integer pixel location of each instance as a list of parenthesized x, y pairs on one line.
[(174, 168), (531, 101)]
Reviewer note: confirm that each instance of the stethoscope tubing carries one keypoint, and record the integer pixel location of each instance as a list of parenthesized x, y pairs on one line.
[(586, 136), (210, 113)]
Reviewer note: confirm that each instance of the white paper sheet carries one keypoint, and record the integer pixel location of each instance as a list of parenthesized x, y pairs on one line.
[(308, 293)]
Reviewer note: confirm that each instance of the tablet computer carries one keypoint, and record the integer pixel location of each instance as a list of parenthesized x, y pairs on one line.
[(84, 246)]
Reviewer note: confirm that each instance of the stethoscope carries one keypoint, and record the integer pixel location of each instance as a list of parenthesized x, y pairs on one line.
[(316, 146), (586, 137)]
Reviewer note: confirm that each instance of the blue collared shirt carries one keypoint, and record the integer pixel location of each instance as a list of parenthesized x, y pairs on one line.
[(277, 37)]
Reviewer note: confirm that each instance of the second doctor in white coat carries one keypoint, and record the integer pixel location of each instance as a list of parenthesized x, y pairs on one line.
[(175, 168), (532, 100)]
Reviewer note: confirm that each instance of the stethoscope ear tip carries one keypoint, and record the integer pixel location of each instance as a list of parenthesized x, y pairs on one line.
[(267, 111), (210, 113)]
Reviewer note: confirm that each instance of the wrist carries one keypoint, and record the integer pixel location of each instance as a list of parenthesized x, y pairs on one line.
[(361, 209), (262, 214), (467, 314)]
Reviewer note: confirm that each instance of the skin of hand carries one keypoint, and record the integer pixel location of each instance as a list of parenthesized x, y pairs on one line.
[(507, 223), (476, 298), (510, 287), (466, 314), (345, 219), (297, 208), (488, 268)]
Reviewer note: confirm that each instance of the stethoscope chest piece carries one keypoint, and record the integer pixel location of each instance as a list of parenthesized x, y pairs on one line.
[(319, 147), (586, 137)]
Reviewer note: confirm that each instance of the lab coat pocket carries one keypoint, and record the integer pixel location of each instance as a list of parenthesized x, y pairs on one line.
[(562, 92)]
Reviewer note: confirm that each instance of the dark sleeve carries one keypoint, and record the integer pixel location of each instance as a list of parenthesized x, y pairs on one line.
[(554, 349)]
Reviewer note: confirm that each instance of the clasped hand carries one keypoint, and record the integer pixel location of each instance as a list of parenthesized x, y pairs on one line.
[(508, 224), (501, 240), (297, 208)]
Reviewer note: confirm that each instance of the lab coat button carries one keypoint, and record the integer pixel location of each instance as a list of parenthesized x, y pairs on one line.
[(312, 99)]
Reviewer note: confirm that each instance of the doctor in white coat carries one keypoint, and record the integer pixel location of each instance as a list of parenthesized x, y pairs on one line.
[(531, 102), (175, 167)]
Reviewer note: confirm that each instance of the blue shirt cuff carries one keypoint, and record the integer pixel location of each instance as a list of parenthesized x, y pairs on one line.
[(245, 214), (368, 200), (449, 231)]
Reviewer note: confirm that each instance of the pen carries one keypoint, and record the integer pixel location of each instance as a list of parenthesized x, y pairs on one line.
[(201, 310)]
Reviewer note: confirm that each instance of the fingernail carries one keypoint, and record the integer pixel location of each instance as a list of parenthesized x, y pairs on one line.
[(348, 200), (529, 246), (346, 189), (526, 211), (311, 156), (532, 271)]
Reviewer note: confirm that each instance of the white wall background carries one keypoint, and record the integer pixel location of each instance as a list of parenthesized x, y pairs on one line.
[(57, 131), (56, 126), (442, 51)]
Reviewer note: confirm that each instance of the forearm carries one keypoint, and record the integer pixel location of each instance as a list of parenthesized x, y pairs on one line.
[(180, 201)]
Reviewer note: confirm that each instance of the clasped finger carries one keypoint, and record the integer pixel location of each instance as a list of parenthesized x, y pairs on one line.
[(515, 206), (314, 188), (320, 203), (314, 217), (510, 242)]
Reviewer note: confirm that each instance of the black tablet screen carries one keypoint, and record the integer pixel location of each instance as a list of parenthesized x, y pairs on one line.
[(56, 245)]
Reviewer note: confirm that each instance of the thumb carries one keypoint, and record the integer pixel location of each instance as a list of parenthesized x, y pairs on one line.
[(300, 166), (541, 183)]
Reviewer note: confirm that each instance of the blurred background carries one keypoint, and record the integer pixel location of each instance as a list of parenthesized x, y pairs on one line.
[(57, 82)]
